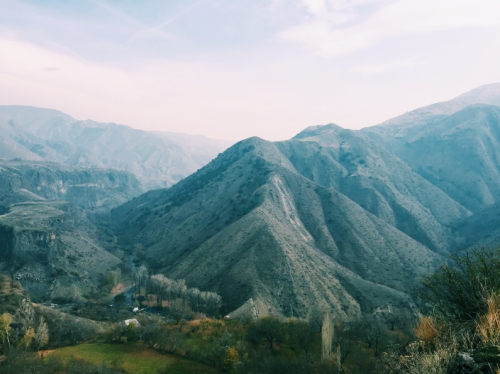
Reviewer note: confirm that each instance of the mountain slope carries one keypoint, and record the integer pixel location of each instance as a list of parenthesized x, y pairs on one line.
[(248, 225), (459, 154), (377, 180), (157, 159)]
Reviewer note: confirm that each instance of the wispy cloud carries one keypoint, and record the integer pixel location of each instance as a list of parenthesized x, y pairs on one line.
[(51, 69), (339, 27), (142, 31), (157, 30), (390, 66)]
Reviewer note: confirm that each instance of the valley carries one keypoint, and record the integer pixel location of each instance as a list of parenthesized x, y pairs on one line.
[(101, 219)]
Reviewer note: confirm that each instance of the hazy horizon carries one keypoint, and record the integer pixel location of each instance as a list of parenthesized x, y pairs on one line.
[(266, 68)]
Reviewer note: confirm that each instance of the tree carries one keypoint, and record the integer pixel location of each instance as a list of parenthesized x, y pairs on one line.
[(114, 277), (316, 319), (28, 338), (300, 336), (116, 332), (160, 286), (343, 343), (5, 321), (231, 359), (26, 313), (179, 309), (269, 329), (372, 331), (171, 340), (216, 351), (41, 337), (151, 334), (212, 302), (132, 333), (326, 337), (140, 277)]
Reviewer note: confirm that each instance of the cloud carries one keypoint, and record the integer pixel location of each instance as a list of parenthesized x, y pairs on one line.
[(51, 68), (142, 31), (339, 27), (390, 66)]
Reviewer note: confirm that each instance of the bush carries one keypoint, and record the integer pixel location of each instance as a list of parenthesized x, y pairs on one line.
[(459, 291)]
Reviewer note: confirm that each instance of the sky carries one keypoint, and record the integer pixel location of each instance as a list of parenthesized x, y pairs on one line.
[(231, 69)]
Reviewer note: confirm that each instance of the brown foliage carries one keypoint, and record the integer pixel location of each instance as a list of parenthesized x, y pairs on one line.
[(426, 329), (488, 325)]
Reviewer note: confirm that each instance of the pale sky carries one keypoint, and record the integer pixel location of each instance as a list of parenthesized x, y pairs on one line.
[(232, 69)]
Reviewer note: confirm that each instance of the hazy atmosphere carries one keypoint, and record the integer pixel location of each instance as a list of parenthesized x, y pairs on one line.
[(233, 69), (250, 187)]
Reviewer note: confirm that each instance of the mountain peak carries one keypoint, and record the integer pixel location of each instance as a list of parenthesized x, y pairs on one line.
[(313, 131), (486, 94)]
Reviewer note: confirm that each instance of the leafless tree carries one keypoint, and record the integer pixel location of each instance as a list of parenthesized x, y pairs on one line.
[(41, 337)]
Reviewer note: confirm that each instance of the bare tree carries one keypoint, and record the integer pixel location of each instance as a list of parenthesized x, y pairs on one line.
[(160, 286), (142, 276), (316, 319), (114, 277), (5, 321), (343, 343), (326, 337), (372, 331), (41, 337)]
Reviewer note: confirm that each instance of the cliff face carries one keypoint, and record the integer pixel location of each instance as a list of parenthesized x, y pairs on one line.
[(91, 189), (47, 240), (41, 242)]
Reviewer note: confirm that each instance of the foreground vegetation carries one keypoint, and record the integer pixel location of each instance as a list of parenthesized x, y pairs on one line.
[(459, 332), (131, 358)]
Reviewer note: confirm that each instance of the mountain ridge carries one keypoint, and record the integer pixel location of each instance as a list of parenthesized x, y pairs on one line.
[(158, 159)]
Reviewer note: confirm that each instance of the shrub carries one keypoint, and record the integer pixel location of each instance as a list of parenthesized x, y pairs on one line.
[(426, 330), (488, 325), (459, 291)]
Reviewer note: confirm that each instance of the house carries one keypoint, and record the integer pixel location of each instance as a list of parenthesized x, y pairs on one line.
[(133, 321)]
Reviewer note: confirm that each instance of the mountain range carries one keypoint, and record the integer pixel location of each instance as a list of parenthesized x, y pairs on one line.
[(157, 159), (332, 219), (337, 219)]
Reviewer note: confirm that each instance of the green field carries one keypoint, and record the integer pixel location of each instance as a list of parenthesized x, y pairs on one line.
[(132, 358)]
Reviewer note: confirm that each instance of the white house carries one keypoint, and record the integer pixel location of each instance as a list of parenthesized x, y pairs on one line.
[(133, 321)]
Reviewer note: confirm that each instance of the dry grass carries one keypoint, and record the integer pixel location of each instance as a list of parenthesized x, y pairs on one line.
[(426, 329), (421, 359), (488, 326)]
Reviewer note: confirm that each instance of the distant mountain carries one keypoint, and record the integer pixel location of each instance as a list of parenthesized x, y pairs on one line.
[(91, 189), (337, 219), (409, 124), (157, 159), (459, 154)]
